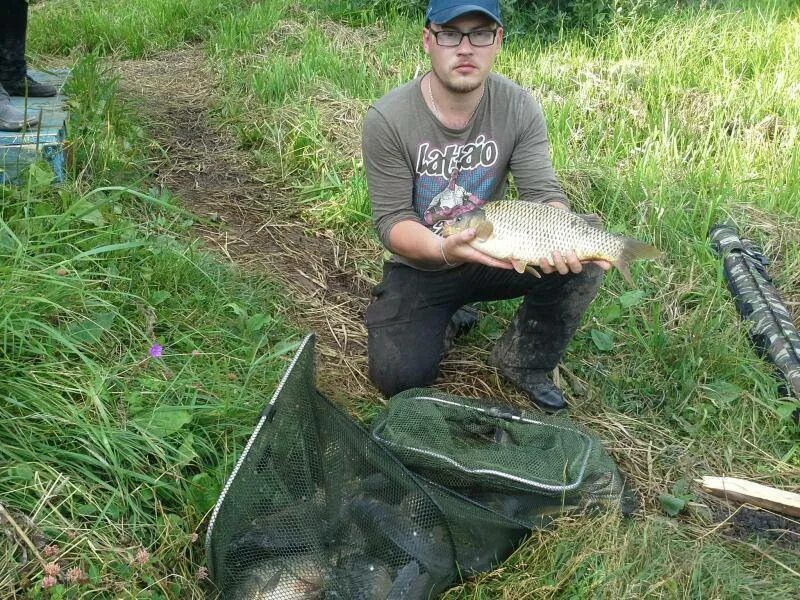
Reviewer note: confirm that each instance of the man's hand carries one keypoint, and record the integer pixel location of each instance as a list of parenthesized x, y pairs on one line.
[(456, 250), (568, 263)]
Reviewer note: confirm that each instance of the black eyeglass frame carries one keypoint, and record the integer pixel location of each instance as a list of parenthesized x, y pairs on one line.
[(463, 35)]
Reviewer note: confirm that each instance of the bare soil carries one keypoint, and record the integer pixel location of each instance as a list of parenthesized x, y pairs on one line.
[(747, 523)]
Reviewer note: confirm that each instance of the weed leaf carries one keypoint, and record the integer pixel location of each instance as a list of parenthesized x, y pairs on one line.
[(159, 296), (672, 505), (204, 491), (163, 420), (631, 298), (723, 392), (602, 340)]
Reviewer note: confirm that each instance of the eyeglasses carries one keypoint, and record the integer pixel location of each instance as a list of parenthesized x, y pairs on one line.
[(451, 37)]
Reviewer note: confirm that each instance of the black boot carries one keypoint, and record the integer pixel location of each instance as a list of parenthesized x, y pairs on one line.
[(13, 70), (461, 323), (540, 332), (11, 118), (537, 386), (29, 87)]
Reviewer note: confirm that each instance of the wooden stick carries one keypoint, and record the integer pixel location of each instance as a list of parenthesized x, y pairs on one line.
[(741, 490)]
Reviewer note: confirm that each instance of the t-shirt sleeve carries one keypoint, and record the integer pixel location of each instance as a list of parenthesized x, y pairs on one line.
[(530, 162), (390, 181)]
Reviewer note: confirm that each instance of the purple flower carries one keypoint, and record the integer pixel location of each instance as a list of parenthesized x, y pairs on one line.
[(155, 350)]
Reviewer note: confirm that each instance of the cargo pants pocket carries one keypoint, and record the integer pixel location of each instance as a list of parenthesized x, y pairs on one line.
[(394, 298)]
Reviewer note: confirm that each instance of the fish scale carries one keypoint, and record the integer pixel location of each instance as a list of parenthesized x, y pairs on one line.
[(524, 232)]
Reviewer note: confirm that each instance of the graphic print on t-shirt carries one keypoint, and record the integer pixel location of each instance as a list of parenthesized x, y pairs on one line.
[(450, 202), (454, 179)]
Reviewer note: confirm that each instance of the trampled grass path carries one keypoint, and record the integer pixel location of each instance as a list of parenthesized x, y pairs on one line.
[(257, 226)]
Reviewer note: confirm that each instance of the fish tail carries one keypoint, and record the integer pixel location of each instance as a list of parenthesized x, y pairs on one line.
[(631, 251)]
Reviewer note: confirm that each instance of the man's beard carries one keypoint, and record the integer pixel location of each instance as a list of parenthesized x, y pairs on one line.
[(463, 87), (459, 85)]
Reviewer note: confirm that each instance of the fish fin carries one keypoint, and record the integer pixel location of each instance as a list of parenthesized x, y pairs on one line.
[(533, 271), (484, 231), (592, 219), (273, 581), (623, 268), (636, 250), (631, 251), (519, 265)]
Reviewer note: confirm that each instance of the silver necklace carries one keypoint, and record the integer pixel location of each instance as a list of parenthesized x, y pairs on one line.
[(438, 114)]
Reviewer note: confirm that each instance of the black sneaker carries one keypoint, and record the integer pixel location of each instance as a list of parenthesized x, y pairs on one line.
[(29, 87)]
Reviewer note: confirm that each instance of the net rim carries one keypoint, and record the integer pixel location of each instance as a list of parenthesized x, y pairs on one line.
[(538, 485), (251, 440)]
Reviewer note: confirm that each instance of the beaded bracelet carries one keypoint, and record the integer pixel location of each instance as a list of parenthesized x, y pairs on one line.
[(444, 258)]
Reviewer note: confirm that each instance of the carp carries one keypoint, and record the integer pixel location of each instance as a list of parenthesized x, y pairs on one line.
[(283, 579), (523, 232)]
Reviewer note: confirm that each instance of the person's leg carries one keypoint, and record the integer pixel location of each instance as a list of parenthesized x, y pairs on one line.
[(13, 70), (406, 325), (13, 27), (542, 328)]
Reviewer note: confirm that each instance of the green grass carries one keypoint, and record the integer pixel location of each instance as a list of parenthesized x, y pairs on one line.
[(663, 124), (125, 29), (115, 450), (606, 558)]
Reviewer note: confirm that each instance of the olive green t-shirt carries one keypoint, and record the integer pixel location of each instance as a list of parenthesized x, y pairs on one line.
[(418, 169)]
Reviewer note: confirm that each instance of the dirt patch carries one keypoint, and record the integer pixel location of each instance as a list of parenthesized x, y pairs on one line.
[(748, 524)]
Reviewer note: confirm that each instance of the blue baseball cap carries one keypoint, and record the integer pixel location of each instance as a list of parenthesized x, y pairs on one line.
[(444, 11)]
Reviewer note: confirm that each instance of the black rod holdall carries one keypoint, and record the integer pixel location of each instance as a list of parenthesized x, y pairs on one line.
[(772, 329)]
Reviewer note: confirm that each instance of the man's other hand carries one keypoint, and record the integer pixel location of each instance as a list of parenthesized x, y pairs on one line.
[(569, 263)]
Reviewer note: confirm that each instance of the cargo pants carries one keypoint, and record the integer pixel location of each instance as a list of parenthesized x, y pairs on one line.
[(410, 311)]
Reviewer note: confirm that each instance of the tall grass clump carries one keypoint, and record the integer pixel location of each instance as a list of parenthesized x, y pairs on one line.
[(519, 16), (603, 557), (132, 368), (295, 89), (125, 29), (100, 154)]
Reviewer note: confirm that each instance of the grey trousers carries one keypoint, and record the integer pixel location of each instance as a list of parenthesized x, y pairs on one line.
[(410, 311)]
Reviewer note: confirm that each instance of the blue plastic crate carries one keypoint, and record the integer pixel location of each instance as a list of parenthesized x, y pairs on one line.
[(46, 140)]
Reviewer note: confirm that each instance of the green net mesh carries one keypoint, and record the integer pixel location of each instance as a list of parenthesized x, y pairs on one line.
[(524, 466), (319, 508)]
